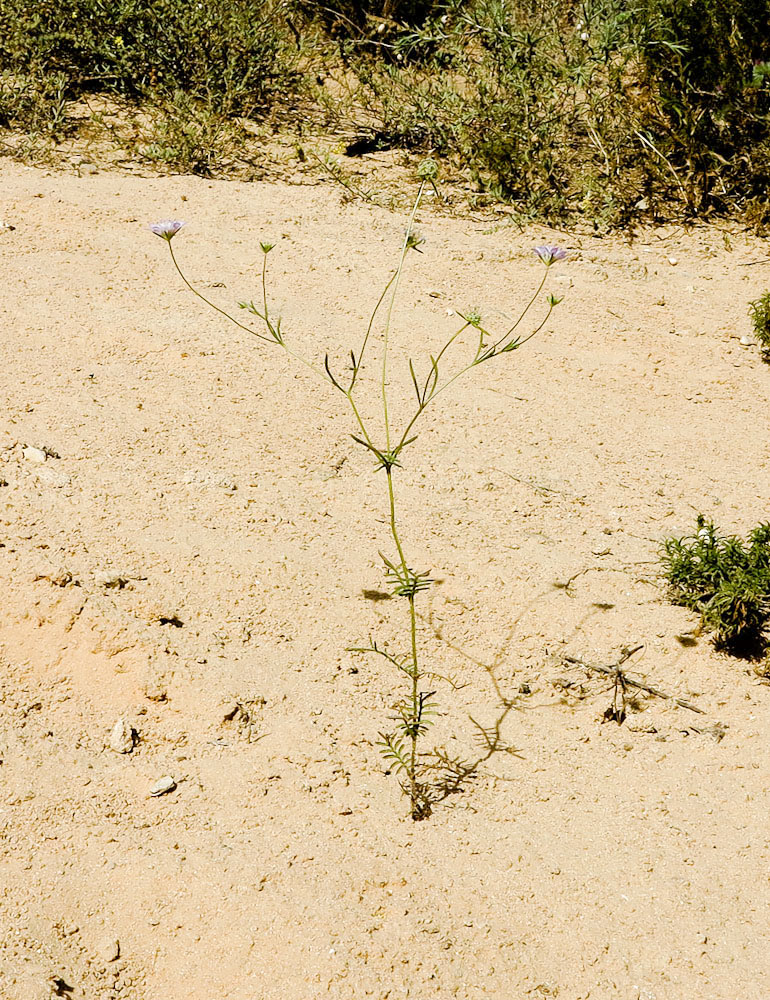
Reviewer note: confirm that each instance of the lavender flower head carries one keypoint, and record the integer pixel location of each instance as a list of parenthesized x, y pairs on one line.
[(549, 255), (167, 229)]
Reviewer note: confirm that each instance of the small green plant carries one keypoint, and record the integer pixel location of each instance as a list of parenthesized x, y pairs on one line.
[(724, 579), (189, 136), (759, 310), (388, 444)]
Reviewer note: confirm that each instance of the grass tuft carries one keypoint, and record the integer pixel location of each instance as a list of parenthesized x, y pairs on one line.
[(725, 579)]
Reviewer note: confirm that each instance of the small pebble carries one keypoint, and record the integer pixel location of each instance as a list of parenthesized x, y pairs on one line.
[(163, 785), (122, 737), (53, 477), (110, 580), (673, 261), (109, 950), (231, 710), (34, 454), (747, 342)]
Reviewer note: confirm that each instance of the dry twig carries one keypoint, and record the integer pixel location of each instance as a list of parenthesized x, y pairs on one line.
[(620, 677)]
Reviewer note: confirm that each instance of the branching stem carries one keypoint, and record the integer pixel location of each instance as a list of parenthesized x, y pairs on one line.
[(414, 708)]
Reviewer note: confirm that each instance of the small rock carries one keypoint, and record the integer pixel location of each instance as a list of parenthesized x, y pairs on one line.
[(601, 552), (60, 987), (163, 785), (110, 580), (53, 477), (747, 342), (34, 454), (155, 688), (122, 737), (673, 261), (109, 950)]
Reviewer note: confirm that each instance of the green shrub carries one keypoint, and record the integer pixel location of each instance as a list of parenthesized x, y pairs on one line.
[(759, 310), (346, 18), (526, 106), (726, 580), (706, 72), (36, 102), (229, 53), (187, 137), (607, 108)]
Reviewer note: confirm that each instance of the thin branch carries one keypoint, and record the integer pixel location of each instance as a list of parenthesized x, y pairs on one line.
[(613, 670)]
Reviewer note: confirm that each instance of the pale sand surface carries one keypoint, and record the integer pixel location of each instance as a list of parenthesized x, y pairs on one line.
[(219, 479)]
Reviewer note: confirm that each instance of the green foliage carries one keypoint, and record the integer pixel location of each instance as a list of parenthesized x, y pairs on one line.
[(703, 65), (759, 310), (348, 19), (187, 135), (724, 579), (230, 55), (607, 108)]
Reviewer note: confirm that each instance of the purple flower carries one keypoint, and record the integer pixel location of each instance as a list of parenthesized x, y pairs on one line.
[(167, 229), (549, 255)]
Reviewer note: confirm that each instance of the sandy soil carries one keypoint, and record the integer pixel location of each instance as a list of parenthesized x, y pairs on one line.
[(218, 481)]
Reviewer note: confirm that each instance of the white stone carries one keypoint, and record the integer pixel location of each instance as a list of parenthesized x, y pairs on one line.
[(53, 477), (122, 737), (163, 785)]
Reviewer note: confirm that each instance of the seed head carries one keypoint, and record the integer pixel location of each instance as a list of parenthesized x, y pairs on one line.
[(167, 229)]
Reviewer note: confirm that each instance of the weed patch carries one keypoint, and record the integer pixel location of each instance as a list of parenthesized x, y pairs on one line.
[(725, 579)]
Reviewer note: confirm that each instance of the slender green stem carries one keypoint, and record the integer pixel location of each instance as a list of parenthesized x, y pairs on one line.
[(264, 288), (414, 672), (212, 305), (464, 371), (393, 526), (242, 326), (359, 421), (433, 373), (360, 358), (526, 308), (394, 293), (538, 328), (415, 710)]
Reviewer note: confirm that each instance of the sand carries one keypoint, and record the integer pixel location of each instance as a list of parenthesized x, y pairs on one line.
[(199, 548)]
